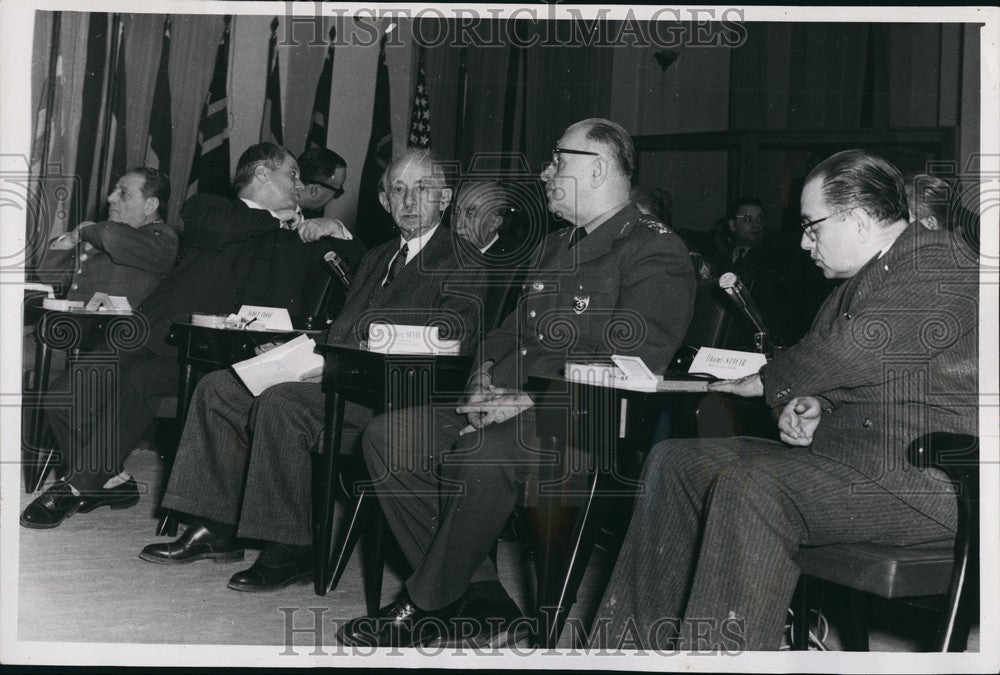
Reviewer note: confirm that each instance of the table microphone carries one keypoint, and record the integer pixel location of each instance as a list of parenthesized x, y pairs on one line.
[(735, 289), (337, 268)]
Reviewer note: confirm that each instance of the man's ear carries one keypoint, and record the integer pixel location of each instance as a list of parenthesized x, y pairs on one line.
[(445, 199), (384, 201), (495, 223), (865, 226), (262, 173), (151, 205), (602, 168)]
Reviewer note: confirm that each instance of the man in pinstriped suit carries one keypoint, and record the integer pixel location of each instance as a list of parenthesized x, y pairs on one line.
[(243, 466), (891, 355)]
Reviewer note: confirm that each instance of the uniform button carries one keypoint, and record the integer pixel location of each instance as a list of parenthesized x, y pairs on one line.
[(84, 257), (847, 315), (867, 424), (540, 337), (87, 246), (828, 410), (524, 352), (79, 270), (538, 286), (75, 286), (532, 314)]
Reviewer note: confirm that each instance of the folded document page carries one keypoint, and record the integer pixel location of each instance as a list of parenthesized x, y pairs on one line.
[(285, 363)]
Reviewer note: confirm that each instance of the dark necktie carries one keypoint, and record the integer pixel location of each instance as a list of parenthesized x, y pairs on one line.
[(396, 266), (578, 234)]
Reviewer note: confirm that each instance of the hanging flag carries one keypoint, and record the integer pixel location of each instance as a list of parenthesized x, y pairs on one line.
[(321, 104), (92, 111), (270, 124), (160, 137), (460, 112), (374, 225), (210, 170), (114, 150), (420, 116)]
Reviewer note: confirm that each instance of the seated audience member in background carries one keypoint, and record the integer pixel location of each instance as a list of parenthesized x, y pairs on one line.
[(615, 273), (658, 203), (480, 215), (929, 200), (243, 466), (716, 530), (128, 254), (251, 250), (323, 173)]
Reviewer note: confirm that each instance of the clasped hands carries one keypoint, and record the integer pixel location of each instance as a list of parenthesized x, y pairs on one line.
[(797, 421), (488, 404)]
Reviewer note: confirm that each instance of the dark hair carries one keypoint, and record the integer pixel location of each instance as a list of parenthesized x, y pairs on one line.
[(268, 154), (155, 183), (319, 164), (655, 201), (745, 201), (855, 178), (614, 136), (928, 195)]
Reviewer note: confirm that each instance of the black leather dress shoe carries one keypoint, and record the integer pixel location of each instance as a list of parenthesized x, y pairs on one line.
[(198, 542), (278, 565), (486, 616), (59, 503), (400, 624)]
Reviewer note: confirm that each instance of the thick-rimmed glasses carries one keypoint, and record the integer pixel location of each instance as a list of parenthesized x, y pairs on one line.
[(570, 151), (338, 192), (809, 227)]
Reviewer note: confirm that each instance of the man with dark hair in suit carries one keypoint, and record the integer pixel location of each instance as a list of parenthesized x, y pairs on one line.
[(243, 467), (710, 553), (252, 250), (323, 173), (596, 287)]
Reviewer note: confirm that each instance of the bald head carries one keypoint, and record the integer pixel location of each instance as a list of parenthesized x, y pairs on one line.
[(414, 192)]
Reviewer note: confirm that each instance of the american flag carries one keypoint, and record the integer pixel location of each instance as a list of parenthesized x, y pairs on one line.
[(159, 139), (210, 169), (270, 124), (420, 118)]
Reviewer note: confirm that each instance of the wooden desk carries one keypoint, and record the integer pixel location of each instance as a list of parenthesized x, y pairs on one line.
[(383, 382), (77, 332), (611, 429)]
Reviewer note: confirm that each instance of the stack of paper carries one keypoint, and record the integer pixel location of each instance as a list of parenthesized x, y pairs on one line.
[(285, 363)]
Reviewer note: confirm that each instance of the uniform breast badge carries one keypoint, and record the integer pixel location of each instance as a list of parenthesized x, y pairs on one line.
[(580, 303)]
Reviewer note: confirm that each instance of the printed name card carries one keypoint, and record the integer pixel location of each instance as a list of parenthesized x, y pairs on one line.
[(265, 318), (726, 364), (387, 338)]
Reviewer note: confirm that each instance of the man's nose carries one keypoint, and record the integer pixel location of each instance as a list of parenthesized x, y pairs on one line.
[(546, 172), (409, 197), (806, 243)]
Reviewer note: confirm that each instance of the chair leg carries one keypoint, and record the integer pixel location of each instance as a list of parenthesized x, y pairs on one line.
[(373, 561), (800, 623), (856, 628), (350, 540)]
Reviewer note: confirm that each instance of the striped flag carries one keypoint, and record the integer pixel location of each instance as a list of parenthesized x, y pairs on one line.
[(420, 116), (374, 224), (321, 104), (114, 150), (84, 200), (210, 171), (270, 124), (160, 137)]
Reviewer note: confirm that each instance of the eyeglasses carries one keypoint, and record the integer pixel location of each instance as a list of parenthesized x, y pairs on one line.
[(337, 191), (747, 218), (570, 151), (808, 227)]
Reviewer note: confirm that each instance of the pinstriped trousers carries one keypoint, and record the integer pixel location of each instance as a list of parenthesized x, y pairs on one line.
[(246, 461), (714, 535)]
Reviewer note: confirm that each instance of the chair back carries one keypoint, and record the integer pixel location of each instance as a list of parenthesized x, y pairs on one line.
[(714, 323)]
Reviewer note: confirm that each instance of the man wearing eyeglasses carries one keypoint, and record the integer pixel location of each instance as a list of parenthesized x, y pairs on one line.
[(615, 281), (892, 355), (323, 173)]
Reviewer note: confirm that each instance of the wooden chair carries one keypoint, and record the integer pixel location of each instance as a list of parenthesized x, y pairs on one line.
[(945, 577)]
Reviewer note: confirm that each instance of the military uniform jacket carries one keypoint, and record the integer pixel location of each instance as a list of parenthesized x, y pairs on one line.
[(113, 258), (891, 355), (626, 288), (432, 289)]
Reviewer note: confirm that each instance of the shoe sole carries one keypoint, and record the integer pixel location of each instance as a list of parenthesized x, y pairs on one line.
[(228, 556), (250, 588), (115, 506)]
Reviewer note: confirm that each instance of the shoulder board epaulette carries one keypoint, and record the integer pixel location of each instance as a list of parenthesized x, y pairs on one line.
[(654, 225)]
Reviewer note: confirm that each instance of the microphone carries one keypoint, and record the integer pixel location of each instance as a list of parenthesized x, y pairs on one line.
[(337, 268), (735, 289)]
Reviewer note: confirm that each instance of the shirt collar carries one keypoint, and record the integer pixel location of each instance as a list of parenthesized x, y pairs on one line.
[(285, 224), (414, 245), (492, 241)]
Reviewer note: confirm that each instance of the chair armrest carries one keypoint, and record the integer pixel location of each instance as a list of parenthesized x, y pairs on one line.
[(957, 455)]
